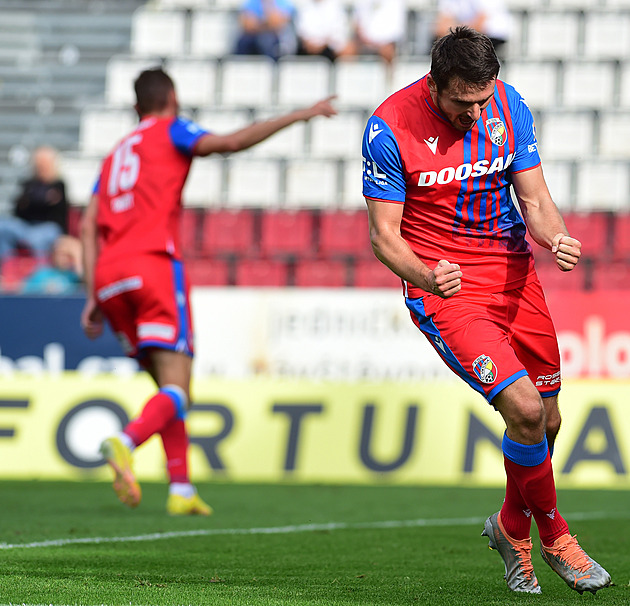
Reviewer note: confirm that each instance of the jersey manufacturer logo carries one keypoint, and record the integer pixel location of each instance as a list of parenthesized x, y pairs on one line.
[(375, 131), (432, 144), (440, 343), (497, 131), (485, 369)]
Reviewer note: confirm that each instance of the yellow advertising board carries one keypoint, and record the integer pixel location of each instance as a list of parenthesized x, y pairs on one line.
[(263, 430)]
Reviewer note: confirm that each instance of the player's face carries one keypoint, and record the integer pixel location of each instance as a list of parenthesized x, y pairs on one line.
[(462, 103)]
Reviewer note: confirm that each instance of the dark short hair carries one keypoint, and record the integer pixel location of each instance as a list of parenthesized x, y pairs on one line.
[(152, 88), (463, 54)]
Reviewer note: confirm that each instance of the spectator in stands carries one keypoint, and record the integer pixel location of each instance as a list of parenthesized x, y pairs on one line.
[(40, 211), (134, 275), (322, 28), (63, 275), (490, 17), (266, 28), (379, 27)]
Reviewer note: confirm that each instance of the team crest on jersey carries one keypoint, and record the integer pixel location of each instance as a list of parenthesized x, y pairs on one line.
[(497, 131), (485, 369)]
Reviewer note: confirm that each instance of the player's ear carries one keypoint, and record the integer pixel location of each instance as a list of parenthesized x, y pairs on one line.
[(431, 83)]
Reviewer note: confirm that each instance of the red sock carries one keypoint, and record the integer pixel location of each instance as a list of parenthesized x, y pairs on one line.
[(538, 488), (155, 415), (515, 515), (175, 441)]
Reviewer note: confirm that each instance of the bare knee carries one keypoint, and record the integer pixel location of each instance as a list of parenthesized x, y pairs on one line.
[(523, 410)]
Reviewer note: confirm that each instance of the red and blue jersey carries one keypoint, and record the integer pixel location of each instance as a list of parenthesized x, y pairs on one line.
[(140, 187), (455, 186)]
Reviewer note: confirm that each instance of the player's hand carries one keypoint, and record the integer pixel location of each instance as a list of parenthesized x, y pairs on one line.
[(92, 319), (322, 108), (567, 251), (446, 279)]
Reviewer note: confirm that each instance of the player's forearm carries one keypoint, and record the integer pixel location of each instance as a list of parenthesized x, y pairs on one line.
[(544, 223), (392, 250)]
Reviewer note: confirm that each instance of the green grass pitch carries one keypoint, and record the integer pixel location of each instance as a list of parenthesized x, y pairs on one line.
[(73, 543)]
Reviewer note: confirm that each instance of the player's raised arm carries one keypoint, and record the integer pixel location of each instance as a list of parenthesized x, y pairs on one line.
[(259, 131), (543, 219), (392, 250)]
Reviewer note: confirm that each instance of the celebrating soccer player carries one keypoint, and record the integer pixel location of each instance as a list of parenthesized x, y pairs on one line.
[(439, 159), (134, 275)]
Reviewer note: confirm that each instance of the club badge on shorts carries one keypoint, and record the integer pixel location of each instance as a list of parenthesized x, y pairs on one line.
[(485, 369)]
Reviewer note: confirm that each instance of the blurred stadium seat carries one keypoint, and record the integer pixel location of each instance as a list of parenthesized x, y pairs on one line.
[(552, 278), (207, 272), (371, 273), (592, 230), (343, 234), (621, 235), (611, 275), (320, 273), (287, 233), (261, 272), (303, 80), (158, 32), (227, 232)]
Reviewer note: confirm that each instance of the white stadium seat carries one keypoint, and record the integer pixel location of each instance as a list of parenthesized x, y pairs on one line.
[(247, 81), (564, 135), (311, 184), (221, 121), (80, 174), (559, 178), (159, 33), (406, 70), (338, 137), (213, 33), (537, 81), (603, 185), (614, 134), (253, 182), (204, 186), (352, 195), (288, 143), (303, 80), (360, 83), (607, 35), (552, 34), (102, 128), (120, 75), (588, 84), (195, 80)]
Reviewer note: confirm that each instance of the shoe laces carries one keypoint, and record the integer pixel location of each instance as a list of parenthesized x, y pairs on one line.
[(571, 554), (524, 553)]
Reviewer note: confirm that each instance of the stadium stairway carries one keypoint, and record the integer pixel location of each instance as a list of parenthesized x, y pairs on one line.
[(53, 56)]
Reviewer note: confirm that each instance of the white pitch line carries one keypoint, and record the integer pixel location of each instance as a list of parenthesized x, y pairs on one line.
[(158, 536)]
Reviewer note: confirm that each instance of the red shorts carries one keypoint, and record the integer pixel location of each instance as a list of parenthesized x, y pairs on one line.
[(146, 301), (491, 340)]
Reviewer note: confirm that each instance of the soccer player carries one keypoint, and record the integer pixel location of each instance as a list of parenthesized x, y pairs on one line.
[(134, 275), (439, 158)]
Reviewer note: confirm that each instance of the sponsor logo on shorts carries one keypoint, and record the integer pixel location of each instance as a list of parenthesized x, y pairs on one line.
[(548, 380), (485, 369)]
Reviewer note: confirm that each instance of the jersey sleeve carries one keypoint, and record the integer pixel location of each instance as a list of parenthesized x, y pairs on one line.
[(185, 134), (383, 177), (526, 155)]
